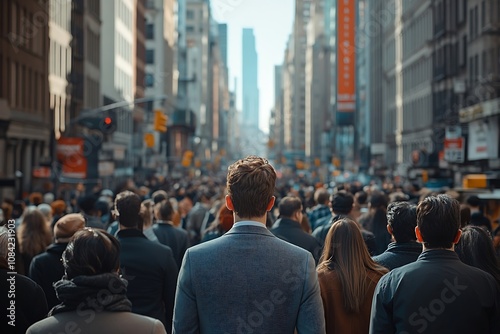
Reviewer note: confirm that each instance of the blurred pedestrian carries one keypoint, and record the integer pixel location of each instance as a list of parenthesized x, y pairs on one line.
[(92, 294), (23, 301), (46, 268), (33, 237)]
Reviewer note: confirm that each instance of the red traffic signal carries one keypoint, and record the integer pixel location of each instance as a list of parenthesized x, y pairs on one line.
[(108, 121)]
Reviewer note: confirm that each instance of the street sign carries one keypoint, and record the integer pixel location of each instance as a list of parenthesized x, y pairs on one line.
[(454, 150)]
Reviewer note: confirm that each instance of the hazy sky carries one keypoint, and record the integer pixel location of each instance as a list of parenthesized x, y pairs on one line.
[(272, 23)]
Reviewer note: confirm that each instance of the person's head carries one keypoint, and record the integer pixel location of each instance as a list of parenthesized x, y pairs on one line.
[(159, 196), (250, 187), (345, 252), (36, 198), (164, 210), (378, 200), (86, 203), (474, 201), (128, 209), (361, 197), (321, 196), (465, 215), (58, 207), (46, 211), (147, 213), (206, 194), (290, 207), (33, 233), (438, 222), (341, 203), (68, 225), (401, 221), (475, 248), (91, 252)]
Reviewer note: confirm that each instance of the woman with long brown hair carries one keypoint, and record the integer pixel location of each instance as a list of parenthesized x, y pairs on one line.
[(34, 236), (347, 276)]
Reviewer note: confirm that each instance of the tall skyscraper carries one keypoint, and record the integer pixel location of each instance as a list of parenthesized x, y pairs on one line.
[(250, 83)]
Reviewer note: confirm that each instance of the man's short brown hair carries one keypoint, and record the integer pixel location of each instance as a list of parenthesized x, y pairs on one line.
[(250, 184)]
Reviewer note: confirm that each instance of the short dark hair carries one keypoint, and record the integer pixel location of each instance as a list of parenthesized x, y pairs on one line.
[(250, 185), (402, 217), (164, 210), (321, 196), (341, 202), (87, 203), (474, 201), (289, 205), (465, 215), (361, 197), (438, 218), (91, 252), (128, 209)]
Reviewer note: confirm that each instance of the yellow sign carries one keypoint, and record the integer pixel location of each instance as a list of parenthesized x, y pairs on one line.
[(160, 121), (149, 139)]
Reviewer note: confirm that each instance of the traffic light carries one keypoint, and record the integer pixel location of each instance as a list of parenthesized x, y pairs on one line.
[(105, 122), (160, 122), (149, 139)]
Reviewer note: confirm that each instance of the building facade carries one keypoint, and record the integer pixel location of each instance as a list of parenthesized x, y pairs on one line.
[(25, 114)]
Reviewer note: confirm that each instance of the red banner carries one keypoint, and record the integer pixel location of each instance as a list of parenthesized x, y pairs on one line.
[(70, 156), (346, 60)]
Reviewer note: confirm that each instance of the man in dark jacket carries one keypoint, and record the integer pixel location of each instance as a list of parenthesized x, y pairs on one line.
[(148, 266), (341, 204), (401, 223), (167, 234), (431, 294), (288, 228), (46, 268), (477, 218)]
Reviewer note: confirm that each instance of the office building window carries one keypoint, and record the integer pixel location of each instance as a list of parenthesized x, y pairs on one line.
[(190, 14), (150, 31), (150, 56), (149, 80), (483, 14)]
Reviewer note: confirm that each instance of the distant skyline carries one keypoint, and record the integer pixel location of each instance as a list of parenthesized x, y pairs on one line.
[(272, 24), (250, 86)]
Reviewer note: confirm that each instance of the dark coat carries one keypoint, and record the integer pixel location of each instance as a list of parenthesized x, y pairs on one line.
[(173, 237), (399, 254), (321, 232), (151, 272), (47, 268), (291, 231), (436, 294), (30, 304)]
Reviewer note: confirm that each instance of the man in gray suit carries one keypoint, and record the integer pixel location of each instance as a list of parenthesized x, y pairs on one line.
[(248, 281)]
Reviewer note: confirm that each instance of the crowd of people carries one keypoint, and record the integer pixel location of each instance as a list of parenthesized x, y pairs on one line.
[(249, 254)]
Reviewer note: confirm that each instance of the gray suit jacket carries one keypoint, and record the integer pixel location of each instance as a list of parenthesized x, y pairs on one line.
[(248, 281)]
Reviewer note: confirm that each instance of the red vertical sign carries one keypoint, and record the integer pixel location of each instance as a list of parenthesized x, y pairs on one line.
[(346, 61)]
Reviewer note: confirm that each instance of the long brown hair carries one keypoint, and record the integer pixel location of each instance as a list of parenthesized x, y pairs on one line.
[(33, 233), (346, 253)]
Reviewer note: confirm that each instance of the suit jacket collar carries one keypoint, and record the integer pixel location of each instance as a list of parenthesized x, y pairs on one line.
[(248, 229), (130, 233)]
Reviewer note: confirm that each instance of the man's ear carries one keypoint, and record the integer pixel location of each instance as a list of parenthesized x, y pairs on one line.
[(418, 234), (229, 203), (457, 237), (389, 229), (270, 204)]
